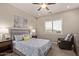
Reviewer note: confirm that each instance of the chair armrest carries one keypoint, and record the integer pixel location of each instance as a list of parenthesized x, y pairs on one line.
[(66, 42), (60, 39)]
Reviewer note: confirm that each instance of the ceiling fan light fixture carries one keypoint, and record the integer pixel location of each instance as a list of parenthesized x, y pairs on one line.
[(43, 5)]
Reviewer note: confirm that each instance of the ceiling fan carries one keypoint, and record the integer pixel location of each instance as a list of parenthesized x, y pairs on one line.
[(43, 5)]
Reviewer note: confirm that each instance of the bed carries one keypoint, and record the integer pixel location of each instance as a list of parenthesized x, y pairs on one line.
[(32, 47)]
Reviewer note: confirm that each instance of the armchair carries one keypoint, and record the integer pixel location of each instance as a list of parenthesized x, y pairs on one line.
[(67, 42)]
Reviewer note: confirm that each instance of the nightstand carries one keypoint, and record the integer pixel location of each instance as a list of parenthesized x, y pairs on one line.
[(5, 45), (34, 36)]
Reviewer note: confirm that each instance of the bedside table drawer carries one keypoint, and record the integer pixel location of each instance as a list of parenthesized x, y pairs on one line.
[(5, 45), (34, 36)]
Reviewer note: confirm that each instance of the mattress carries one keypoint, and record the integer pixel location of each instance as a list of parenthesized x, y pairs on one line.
[(33, 47)]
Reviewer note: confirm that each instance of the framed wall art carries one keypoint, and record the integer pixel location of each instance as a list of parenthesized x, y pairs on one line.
[(20, 22)]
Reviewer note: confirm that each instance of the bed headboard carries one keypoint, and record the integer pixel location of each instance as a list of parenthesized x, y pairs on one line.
[(18, 31)]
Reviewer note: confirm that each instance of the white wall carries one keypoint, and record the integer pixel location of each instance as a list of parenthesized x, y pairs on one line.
[(7, 13), (70, 24), (70, 20)]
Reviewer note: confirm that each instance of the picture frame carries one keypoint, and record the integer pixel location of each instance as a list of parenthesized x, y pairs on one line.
[(20, 22)]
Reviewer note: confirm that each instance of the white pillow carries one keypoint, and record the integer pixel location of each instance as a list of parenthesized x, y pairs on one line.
[(18, 37), (67, 37)]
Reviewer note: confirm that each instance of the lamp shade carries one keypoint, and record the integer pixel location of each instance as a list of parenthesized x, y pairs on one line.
[(33, 30)]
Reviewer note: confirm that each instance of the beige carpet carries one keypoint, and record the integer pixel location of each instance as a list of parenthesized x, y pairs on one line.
[(55, 51)]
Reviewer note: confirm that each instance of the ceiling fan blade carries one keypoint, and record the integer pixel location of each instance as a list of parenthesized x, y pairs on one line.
[(39, 9), (50, 3), (47, 8), (43, 3), (37, 3)]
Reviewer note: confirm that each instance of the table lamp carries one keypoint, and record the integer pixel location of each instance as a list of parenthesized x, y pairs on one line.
[(3, 31)]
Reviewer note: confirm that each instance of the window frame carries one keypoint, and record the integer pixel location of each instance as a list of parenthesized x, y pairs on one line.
[(52, 30), (58, 31)]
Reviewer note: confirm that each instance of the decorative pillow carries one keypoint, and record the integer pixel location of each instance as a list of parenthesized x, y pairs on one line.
[(67, 37), (18, 37), (26, 37)]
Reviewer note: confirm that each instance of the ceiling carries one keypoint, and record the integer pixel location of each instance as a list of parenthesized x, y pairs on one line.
[(32, 9)]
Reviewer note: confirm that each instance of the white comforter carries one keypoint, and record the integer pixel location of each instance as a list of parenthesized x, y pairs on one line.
[(33, 47)]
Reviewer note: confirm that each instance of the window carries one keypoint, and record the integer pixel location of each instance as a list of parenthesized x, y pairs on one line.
[(57, 25), (48, 26)]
